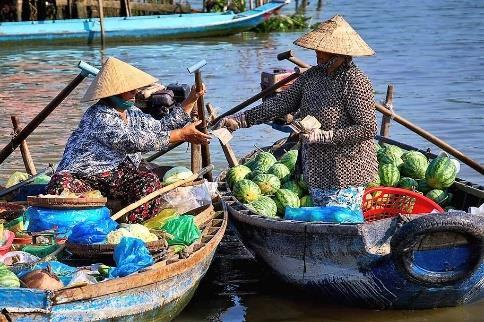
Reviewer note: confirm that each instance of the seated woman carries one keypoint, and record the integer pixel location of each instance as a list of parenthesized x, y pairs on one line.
[(339, 159), (104, 152)]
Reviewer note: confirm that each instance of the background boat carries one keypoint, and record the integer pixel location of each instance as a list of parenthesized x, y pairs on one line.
[(136, 27)]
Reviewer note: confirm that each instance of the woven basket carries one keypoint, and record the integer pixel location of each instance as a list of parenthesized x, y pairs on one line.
[(63, 203), (107, 250)]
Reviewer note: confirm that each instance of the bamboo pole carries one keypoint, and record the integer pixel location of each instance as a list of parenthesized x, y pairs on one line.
[(386, 120), (161, 191), (101, 21), (24, 149), (205, 150)]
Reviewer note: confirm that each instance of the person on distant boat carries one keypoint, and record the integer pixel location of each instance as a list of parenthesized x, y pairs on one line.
[(339, 159), (104, 152)]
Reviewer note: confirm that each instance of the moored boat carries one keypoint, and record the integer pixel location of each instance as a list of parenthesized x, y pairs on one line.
[(404, 261), (136, 27), (161, 291)]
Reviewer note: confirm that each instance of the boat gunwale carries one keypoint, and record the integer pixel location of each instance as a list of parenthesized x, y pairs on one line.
[(154, 274)]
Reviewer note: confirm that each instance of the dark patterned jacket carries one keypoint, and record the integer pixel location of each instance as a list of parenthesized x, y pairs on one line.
[(342, 102), (102, 140)]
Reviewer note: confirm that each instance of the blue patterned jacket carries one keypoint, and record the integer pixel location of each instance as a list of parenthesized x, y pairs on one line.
[(103, 140)]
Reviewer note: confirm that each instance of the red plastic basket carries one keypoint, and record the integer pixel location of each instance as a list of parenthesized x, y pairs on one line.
[(387, 202)]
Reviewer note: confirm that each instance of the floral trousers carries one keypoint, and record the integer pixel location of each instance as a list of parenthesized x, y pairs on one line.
[(351, 197), (125, 182)]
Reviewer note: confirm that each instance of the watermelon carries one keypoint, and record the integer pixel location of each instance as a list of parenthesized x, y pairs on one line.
[(422, 186), (441, 173), (414, 164), (237, 173), (437, 195), (408, 183), (390, 154), (268, 183), (389, 174), (263, 161), (280, 171), (246, 191), (289, 159), (285, 198), (294, 187), (264, 206), (306, 201), (8, 278), (250, 164), (253, 174), (176, 174), (390, 158)]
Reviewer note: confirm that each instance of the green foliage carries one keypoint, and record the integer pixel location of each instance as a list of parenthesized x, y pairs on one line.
[(283, 23)]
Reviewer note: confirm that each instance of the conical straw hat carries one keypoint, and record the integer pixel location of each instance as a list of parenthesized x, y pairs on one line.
[(335, 36), (116, 77)]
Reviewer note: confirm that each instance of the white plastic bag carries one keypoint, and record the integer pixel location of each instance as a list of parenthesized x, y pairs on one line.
[(184, 199)]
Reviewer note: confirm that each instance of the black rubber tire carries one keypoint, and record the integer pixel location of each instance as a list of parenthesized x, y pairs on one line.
[(472, 226)]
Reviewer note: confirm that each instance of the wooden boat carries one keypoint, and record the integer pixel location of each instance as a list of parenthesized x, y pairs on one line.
[(159, 27), (159, 292), (414, 262)]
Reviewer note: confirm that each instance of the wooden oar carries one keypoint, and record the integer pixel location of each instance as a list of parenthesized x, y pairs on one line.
[(406, 123), (268, 91), (161, 191), (24, 149)]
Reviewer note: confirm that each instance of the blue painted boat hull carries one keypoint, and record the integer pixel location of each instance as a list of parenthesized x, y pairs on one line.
[(137, 27)]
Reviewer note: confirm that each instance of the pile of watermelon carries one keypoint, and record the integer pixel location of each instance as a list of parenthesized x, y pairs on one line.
[(267, 185), (413, 171)]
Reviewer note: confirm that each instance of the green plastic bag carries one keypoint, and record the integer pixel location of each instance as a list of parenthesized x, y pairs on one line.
[(183, 230)]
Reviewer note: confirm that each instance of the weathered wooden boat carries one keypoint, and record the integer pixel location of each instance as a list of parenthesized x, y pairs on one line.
[(160, 292), (159, 27), (416, 262)]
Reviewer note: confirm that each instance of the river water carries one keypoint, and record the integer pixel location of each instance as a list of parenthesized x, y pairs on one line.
[(431, 51)]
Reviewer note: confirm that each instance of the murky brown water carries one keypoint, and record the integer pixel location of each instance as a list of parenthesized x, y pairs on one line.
[(432, 51)]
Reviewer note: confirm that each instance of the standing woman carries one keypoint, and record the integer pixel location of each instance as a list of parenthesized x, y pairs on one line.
[(104, 152), (339, 159)]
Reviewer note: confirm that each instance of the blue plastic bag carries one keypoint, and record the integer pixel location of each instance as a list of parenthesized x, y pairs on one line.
[(130, 255), (41, 219), (183, 229), (332, 214), (92, 232)]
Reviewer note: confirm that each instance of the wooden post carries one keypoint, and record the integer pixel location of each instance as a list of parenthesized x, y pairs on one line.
[(203, 127), (18, 5), (24, 149), (385, 121), (101, 20), (226, 148)]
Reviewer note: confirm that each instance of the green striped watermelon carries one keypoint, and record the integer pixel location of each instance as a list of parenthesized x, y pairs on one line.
[(264, 206), (389, 174), (306, 201), (263, 161), (289, 159), (294, 187), (422, 186), (246, 191), (437, 195), (441, 173), (268, 183), (408, 183), (390, 154), (285, 198), (250, 163), (414, 165), (280, 171), (253, 174), (236, 173)]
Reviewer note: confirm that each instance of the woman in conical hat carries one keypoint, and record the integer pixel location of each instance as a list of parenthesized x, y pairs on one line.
[(338, 159), (104, 152)]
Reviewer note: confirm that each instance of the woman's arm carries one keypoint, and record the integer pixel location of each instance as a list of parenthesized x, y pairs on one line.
[(360, 105)]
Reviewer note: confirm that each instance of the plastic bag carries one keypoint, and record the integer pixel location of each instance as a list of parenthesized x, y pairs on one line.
[(83, 276), (332, 214), (92, 232), (183, 229), (130, 255), (15, 178), (184, 199), (41, 219), (18, 257), (160, 219)]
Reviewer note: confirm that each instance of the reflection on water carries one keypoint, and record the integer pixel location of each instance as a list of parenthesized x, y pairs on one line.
[(430, 50)]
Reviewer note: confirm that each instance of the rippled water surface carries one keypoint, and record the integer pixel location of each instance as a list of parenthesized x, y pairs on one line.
[(432, 51)]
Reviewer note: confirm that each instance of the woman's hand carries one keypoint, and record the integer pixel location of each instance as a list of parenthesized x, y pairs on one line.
[(190, 134), (232, 123), (318, 136), (192, 98)]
